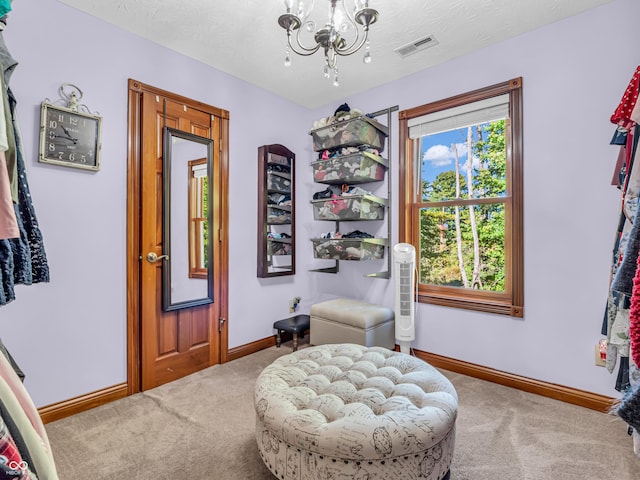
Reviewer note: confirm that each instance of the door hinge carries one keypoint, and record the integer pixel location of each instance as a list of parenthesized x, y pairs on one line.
[(221, 322)]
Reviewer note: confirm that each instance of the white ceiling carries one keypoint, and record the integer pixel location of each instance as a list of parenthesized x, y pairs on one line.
[(243, 38)]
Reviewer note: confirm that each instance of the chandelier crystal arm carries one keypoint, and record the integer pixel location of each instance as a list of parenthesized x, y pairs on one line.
[(298, 47), (328, 38), (355, 46), (305, 14), (290, 22), (349, 16)]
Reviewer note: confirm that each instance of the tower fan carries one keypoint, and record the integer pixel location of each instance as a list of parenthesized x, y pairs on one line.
[(404, 265)]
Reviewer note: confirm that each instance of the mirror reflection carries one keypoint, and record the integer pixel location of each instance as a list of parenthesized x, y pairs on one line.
[(187, 166), (198, 225), (276, 211)]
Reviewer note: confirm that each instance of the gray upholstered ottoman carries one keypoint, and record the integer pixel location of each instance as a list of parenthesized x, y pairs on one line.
[(353, 412), (344, 320)]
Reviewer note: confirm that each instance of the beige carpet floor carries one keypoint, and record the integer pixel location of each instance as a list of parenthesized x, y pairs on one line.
[(202, 427)]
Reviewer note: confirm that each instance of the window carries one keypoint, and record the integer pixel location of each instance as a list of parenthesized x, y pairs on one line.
[(461, 198), (198, 228)]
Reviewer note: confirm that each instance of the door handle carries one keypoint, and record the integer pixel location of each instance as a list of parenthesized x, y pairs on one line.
[(153, 258)]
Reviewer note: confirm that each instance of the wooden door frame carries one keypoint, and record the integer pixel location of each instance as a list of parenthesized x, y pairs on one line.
[(135, 90)]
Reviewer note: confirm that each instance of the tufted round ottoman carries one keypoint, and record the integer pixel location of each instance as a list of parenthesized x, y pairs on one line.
[(353, 412)]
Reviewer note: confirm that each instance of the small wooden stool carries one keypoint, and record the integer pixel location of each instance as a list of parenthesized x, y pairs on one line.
[(295, 325)]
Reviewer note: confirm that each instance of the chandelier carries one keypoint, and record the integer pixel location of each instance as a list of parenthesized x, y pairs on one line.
[(344, 34)]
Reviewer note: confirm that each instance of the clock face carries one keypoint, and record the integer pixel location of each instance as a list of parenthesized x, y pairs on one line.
[(69, 138)]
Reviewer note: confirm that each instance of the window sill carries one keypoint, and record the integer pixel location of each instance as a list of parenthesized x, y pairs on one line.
[(498, 308)]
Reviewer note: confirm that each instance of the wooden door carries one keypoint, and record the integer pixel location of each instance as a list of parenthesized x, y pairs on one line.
[(175, 343)]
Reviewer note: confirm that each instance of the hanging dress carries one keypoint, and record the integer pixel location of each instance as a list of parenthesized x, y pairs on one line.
[(22, 260), (623, 314)]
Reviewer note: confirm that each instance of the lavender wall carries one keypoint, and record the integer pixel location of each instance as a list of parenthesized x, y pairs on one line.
[(70, 335), (574, 74)]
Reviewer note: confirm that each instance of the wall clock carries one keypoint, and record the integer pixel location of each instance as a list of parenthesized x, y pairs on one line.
[(69, 136)]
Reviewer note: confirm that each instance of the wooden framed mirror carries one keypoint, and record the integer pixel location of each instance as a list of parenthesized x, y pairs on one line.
[(276, 211)]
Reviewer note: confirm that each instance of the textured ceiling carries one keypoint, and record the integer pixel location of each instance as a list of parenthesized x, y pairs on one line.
[(242, 37)]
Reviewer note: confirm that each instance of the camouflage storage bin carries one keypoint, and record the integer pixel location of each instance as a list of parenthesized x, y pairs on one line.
[(361, 167), (349, 248), (279, 246), (351, 207), (278, 182), (278, 215), (350, 133)]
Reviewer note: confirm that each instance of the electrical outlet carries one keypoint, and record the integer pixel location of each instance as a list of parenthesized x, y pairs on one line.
[(293, 304), (600, 362)]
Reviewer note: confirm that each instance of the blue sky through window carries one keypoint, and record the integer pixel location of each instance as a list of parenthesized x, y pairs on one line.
[(437, 154)]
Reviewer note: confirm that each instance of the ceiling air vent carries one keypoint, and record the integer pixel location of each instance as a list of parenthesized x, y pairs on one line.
[(416, 46)]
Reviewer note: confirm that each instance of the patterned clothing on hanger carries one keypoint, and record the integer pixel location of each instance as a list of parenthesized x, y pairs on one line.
[(622, 114)]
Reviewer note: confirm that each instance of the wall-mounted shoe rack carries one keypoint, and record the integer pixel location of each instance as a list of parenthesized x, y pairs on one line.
[(363, 139), (276, 211)]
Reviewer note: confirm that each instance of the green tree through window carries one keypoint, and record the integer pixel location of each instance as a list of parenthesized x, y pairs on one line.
[(461, 198), (464, 246)]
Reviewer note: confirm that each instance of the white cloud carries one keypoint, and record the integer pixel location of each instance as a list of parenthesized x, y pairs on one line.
[(441, 155), (475, 164), (462, 150), (438, 155)]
